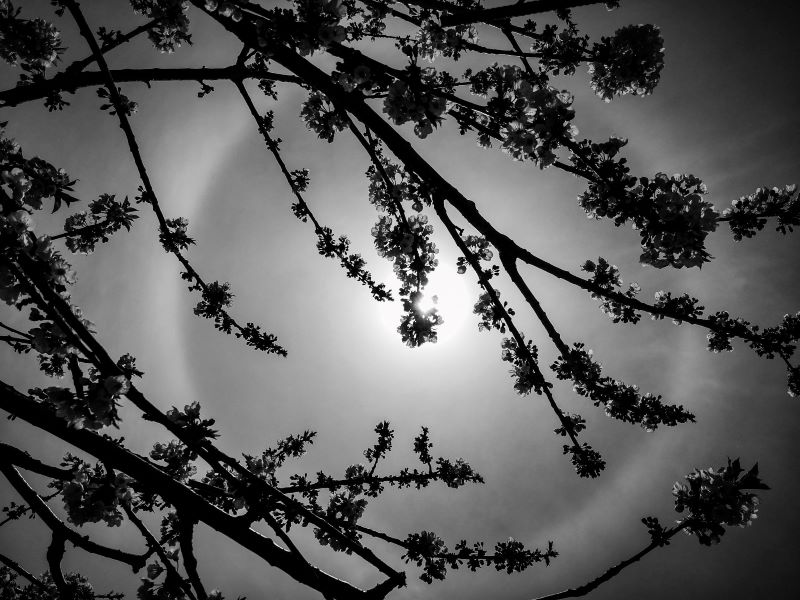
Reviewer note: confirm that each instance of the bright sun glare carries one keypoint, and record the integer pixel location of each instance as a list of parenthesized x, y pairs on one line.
[(454, 299)]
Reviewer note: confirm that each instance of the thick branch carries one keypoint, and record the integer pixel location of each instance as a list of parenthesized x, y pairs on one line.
[(185, 539), (56, 307), (27, 462), (55, 554), (175, 493), (43, 511), (520, 9)]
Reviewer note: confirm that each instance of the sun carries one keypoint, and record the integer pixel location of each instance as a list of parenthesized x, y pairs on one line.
[(452, 294)]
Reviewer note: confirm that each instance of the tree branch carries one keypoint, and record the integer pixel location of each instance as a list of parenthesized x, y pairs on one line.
[(616, 569), (155, 546), (520, 9), (27, 462), (185, 534), (12, 564), (119, 106), (176, 494), (44, 512), (67, 81), (55, 554)]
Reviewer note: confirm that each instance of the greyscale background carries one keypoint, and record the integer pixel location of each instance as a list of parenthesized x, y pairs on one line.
[(726, 110)]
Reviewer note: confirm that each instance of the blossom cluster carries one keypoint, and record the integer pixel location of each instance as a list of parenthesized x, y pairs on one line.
[(621, 401), (726, 327), (780, 340), (670, 213), (404, 103), (174, 236), (32, 181), (406, 242), (524, 370), (749, 214), (322, 117), (191, 423), (34, 44), (27, 183), (678, 307), (628, 63), (52, 346), (491, 315), (607, 278), (177, 459), (358, 77), (675, 231), (717, 498), (320, 24), (93, 494), (344, 510), (585, 459), (534, 118), (94, 406), (402, 187), (105, 216), (409, 247), (428, 550), (172, 27), (433, 40), (216, 298), (418, 324), (480, 248), (571, 422), (46, 589), (558, 51)]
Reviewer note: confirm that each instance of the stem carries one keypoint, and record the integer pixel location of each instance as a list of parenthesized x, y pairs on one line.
[(133, 146), (616, 569), (67, 81)]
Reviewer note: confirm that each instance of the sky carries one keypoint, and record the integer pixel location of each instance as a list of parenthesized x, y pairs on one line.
[(725, 110)]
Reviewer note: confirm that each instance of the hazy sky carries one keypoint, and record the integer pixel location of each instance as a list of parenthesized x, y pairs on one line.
[(725, 111)]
